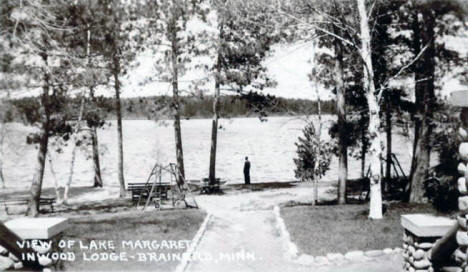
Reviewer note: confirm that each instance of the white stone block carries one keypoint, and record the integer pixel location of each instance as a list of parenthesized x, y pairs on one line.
[(355, 256), (5, 263), (422, 264), (388, 251), (37, 228), (463, 203), (461, 168), (427, 225), (411, 250), (463, 151), (419, 254), (462, 186), (462, 238), (424, 246)]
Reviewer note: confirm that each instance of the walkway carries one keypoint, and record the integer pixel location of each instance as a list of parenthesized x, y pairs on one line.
[(242, 236)]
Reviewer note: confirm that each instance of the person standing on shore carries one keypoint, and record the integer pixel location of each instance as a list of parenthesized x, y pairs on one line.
[(247, 170)]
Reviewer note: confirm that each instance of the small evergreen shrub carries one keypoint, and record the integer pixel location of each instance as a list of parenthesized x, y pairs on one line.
[(313, 155)]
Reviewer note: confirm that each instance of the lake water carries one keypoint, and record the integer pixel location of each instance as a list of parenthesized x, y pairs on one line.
[(269, 145)]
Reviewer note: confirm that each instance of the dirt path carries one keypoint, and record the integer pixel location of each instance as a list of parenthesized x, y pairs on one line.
[(242, 236)]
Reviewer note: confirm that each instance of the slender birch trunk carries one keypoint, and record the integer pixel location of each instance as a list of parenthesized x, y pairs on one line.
[(376, 144), (54, 176), (76, 130), (176, 108)]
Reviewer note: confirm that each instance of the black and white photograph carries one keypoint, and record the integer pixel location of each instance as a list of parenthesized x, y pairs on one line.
[(234, 135)]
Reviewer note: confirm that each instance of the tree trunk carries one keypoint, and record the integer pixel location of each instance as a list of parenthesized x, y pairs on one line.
[(375, 211), (342, 133), (214, 134), (96, 164), (76, 130), (120, 165), (176, 108), (94, 137), (425, 97), (36, 186), (54, 176), (214, 123)]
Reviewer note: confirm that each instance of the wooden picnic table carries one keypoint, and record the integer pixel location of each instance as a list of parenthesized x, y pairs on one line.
[(142, 190)]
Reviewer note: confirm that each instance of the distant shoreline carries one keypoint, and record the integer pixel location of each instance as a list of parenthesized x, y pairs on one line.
[(129, 118)]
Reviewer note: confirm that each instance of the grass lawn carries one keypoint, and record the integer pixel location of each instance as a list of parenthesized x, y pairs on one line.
[(341, 228), (175, 225)]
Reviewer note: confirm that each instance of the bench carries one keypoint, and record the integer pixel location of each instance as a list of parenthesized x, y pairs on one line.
[(43, 201), (358, 189), (142, 190)]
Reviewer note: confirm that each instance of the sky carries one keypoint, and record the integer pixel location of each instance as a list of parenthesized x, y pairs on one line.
[(288, 65)]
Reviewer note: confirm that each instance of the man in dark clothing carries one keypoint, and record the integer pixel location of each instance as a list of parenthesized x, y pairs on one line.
[(247, 170)]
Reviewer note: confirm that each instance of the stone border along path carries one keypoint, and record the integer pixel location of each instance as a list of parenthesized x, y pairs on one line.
[(246, 233), (331, 258)]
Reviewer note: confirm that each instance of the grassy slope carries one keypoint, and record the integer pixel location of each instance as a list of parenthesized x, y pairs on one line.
[(341, 228), (162, 225)]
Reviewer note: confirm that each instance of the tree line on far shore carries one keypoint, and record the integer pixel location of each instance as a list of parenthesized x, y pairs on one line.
[(157, 107)]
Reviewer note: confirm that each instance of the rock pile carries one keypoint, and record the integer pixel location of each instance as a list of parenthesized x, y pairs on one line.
[(460, 255), (416, 252)]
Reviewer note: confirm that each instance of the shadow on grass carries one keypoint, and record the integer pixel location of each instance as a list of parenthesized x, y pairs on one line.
[(256, 187)]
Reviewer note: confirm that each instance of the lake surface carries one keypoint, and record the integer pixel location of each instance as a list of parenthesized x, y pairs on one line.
[(269, 145)]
